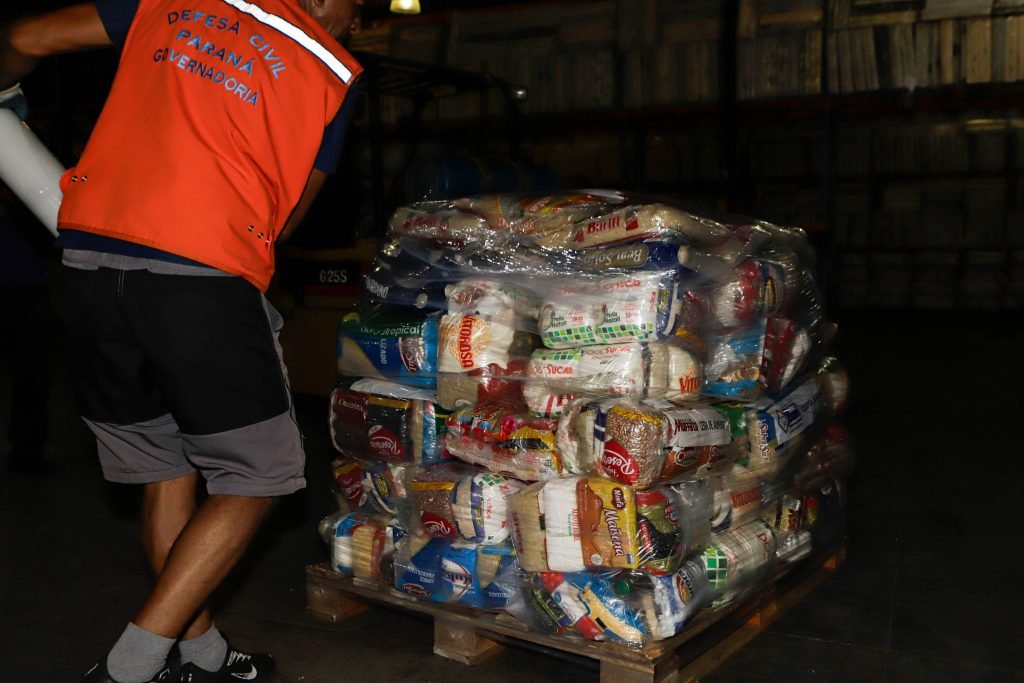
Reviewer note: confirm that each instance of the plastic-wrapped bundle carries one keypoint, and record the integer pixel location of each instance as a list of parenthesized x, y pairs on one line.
[(388, 422), (442, 223), (787, 519), (482, 576), (634, 370), (370, 485), (575, 523), (553, 529), (834, 384), (738, 559), (776, 428), (417, 564), (359, 541), (659, 543), (829, 457), (595, 606), (808, 518), (484, 339), (536, 216), (400, 349), (695, 500), (608, 309), (452, 501), (503, 439), (477, 575), (633, 224), (646, 443), (670, 601), (738, 499), (405, 278)]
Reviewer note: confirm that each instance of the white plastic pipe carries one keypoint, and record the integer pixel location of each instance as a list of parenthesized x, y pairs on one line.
[(29, 169)]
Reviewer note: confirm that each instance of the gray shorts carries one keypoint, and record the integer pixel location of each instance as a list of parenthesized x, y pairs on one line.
[(180, 373)]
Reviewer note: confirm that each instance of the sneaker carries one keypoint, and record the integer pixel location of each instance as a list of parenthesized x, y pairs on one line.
[(98, 674), (237, 666)]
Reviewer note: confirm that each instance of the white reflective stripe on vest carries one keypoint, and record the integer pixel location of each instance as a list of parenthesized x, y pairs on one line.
[(296, 34)]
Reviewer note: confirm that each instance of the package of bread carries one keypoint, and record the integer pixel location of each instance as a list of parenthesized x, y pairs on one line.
[(526, 518), (537, 216), (654, 442), (635, 223), (607, 514), (481, 510), (441, 223)]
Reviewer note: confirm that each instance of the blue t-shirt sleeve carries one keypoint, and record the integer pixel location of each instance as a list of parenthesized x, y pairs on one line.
[(334, 134), (117, 17)]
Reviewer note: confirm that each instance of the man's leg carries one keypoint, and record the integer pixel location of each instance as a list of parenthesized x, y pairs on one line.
[(208, 547), (167, 506)]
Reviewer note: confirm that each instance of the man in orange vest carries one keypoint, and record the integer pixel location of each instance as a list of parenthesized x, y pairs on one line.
[(221, 125)]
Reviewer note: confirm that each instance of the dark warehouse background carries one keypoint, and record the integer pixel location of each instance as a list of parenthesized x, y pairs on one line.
[(890, 130)]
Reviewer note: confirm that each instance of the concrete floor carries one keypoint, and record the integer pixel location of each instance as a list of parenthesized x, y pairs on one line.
[(931, 590)]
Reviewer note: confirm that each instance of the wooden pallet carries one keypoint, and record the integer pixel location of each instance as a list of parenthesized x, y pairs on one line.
[(470, 636)]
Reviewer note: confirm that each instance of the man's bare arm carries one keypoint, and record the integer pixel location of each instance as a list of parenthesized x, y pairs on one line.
[(313, 185), (25, 41)]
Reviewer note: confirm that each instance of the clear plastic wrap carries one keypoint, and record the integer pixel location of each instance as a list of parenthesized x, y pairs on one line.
[(670, 601), (444, 570), (453, 501), (503, 439), (661, 376), (739, 559), (646, 443), (572, 524), (589, 605), (370, 486), (739, 498), (807, 519), (541, 300), (358, 542), (387, 422), (399, 348)]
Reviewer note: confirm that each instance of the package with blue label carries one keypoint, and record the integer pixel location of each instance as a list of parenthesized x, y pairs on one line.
[(776, 429), (387, 422), (417, 564), (446, 570), (409, 278), (476, 575), (398, 350)]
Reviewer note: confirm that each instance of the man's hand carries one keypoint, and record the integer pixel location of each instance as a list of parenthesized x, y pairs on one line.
[(13, 98)]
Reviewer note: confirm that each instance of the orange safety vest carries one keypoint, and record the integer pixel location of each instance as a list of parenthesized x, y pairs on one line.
[(210, 131)]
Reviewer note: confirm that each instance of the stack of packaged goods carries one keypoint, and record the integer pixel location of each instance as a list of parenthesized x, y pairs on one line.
[(596, 413)]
